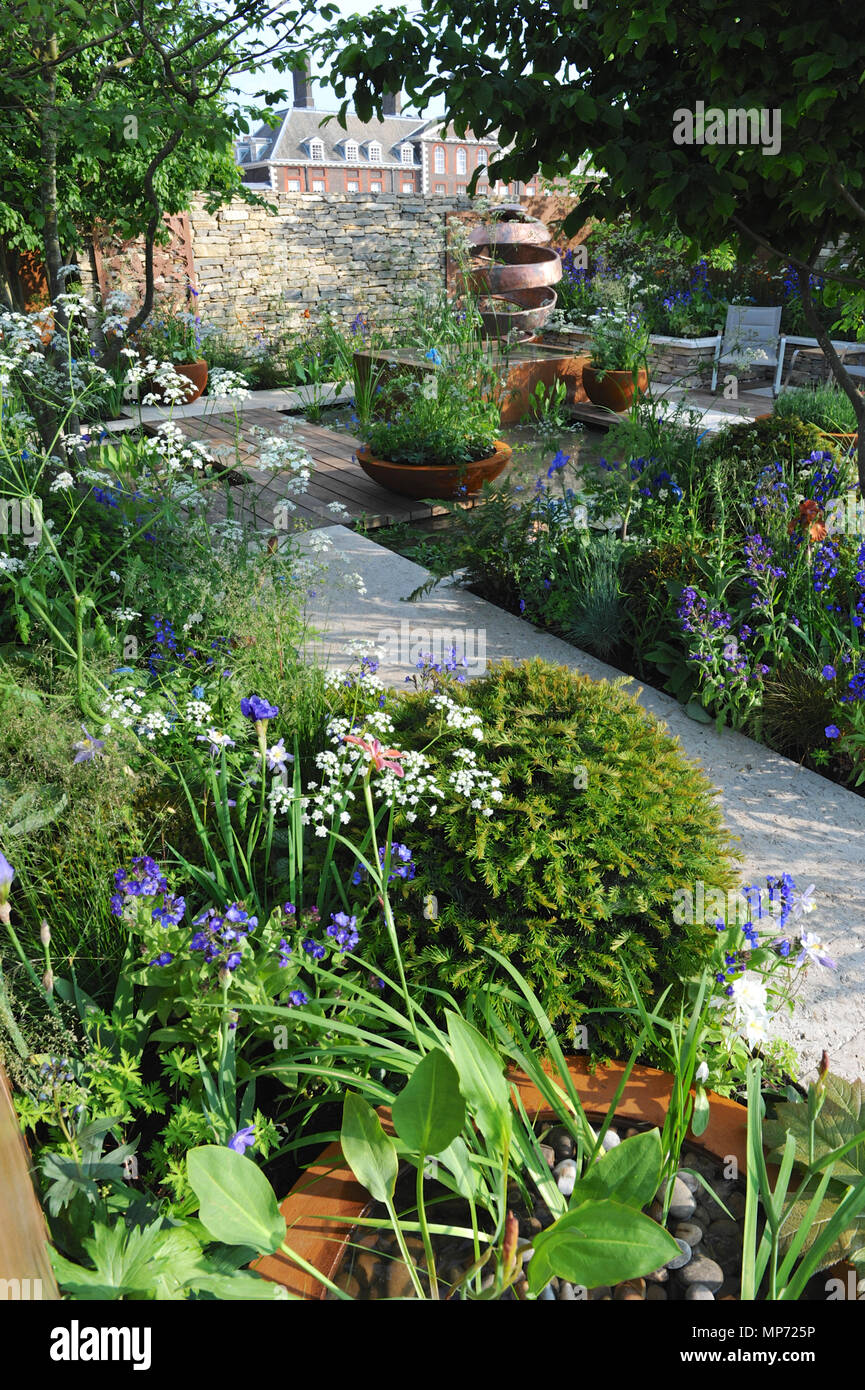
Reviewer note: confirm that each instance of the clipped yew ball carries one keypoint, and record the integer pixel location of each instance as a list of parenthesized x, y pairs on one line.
[(575, 875)]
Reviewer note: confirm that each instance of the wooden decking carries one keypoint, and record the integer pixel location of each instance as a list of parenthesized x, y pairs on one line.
[(259, 499)]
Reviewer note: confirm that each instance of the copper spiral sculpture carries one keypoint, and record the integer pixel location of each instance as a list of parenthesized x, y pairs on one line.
[(512, 261)]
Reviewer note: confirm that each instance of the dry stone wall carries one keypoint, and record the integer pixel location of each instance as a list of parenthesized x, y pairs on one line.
[(258, 271)]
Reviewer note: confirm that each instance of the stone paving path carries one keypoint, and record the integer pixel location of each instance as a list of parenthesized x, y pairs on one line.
[(786, 818)]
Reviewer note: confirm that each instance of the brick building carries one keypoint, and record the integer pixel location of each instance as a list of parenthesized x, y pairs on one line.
[(397, 154)]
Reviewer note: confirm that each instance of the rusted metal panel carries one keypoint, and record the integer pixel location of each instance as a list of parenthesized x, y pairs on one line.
[(25, 1267)]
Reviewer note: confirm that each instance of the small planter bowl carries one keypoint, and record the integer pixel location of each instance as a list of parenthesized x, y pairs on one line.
[(322, 1205), (435, 480), (194, 372), (613, 390)]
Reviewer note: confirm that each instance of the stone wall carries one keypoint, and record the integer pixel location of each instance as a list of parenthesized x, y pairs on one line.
[(258, 271)]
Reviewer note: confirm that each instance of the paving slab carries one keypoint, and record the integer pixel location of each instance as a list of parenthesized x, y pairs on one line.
[(785, 818)]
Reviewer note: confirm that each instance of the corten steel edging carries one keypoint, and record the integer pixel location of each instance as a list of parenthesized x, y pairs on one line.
[(322, 1205), (23, 1232)]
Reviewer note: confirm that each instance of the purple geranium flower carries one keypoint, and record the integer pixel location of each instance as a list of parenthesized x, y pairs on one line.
[(244, 1139)]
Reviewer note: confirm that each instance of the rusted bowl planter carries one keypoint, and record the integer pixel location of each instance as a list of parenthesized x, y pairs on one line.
[(523, 312), (445, 481), (323, 1204), (613, 390), (498, 269)]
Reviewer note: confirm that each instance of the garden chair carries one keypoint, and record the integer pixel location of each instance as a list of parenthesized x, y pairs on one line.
[(751, 338)]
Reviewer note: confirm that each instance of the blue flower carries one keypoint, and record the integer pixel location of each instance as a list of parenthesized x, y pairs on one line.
[(244, 1139), (433, 356), (297, 997), (258, 709), (832, 731), (7, 873), (314, 948), (560, 461), (828, 673)]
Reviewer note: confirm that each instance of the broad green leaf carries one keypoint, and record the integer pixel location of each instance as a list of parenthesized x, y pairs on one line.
[(458, 1163), (628, 1174), (369, 1152), (238, 1204), (482, 1080), (429, 1114), (601, 1243), (840, 1120)]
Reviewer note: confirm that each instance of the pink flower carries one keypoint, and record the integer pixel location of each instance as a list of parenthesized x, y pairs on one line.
[(378, 756)]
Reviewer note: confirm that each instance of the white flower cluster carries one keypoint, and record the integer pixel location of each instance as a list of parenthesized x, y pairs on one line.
[(125, 707), (280, 453), (474, 783), (460, 717), (750, 1008), (11, 564), (170, 448), (62, 482), (174, 389), (223, 384), (198, 712)]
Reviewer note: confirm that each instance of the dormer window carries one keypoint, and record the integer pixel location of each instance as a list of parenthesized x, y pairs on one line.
[(316, 149), (406, 154), (351, 151), (374, 152)]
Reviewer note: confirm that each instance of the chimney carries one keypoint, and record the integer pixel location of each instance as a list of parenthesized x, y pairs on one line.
[(303, 87), (391, 103)]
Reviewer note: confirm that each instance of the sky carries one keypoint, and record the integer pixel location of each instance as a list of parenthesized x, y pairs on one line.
[(325, 98)]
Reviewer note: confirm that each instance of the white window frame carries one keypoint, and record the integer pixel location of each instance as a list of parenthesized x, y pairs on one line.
[(441, 190), (374, 152), (406, 154), (483, 158), (318, 186), (352, 186), (316, 149), (292, 185), (440, 165), (408, 188), (462, 161), (375, 186), (350, 149)]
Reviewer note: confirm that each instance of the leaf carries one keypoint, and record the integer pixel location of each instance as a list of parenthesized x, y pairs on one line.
[(696, 711), (430, 1112), (600, 1243), (238, 1204), (369, 1152), (628, 1174), (841, 1119), (482, 1080)]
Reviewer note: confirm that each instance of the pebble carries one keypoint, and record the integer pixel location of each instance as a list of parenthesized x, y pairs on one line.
[(702, 1270), (692, 1183), (566, 1293), (566, 1176), (546, 1294), (610, 1140), (654, 1293), (682, 1202), (736, 1204), (860, 1287), (599, 1294), (724, 1229), (631, 1291), (548, 1154), (679, 1261), (659, 1276), (562, 1143), (689, 1231), (698, 1293), (703, 1216)]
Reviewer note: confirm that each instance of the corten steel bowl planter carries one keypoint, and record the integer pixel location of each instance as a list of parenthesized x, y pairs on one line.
[(617, 389), (513, 224), (323, 1203), (435, 480)]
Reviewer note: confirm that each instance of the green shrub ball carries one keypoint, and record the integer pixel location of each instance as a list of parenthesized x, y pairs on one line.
[(572, 885)]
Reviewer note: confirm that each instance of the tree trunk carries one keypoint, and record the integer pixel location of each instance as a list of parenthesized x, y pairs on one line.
[(839, 371)]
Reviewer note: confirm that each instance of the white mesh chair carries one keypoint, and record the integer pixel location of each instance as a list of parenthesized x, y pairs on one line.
[(751, 338)]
